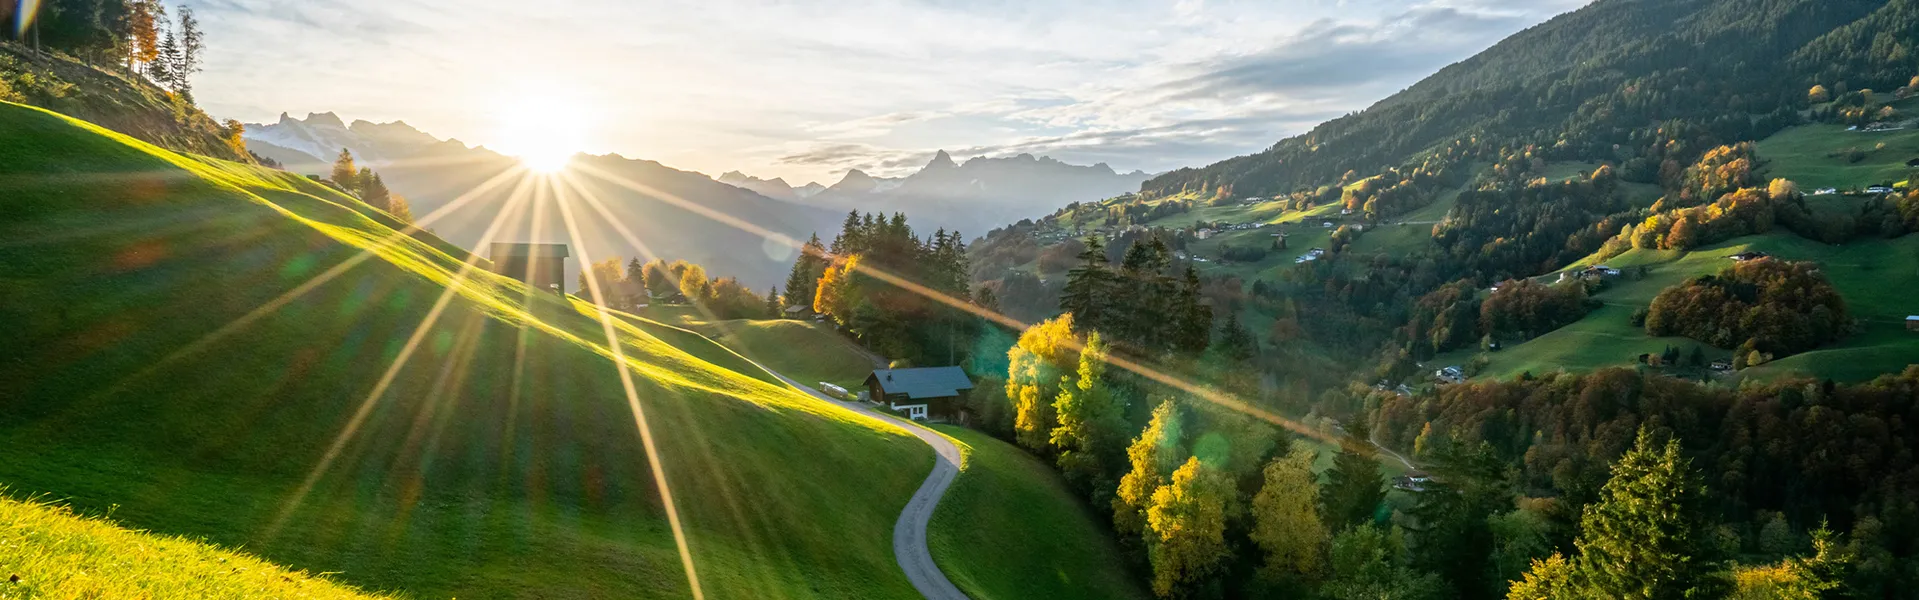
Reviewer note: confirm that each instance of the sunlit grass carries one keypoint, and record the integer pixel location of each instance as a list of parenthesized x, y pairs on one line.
[(501, 460), (58, 555)]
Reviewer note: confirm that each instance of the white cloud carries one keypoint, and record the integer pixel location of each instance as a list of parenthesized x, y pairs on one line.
[(756, 85)]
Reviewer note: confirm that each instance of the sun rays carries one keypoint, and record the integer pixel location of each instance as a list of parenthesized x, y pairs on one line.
[(533, 198)]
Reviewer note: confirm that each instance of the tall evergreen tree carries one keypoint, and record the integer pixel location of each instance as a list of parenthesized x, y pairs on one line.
[(1194, 318), (1089, 288), (1354, 487), (1646, 537)]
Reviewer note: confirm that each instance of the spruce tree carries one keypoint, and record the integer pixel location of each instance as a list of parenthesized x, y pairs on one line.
[(1645, 538), (1354, 487), (1089, 288), (773, 307), (1195, 319)]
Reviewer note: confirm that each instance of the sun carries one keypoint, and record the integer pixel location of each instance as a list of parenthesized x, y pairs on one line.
[(544, 131)]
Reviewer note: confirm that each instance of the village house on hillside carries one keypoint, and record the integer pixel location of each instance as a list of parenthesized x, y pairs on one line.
[(1912, 323), (542, 266), (935, 393)]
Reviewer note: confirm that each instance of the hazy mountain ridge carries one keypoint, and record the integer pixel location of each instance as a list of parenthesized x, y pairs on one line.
[(303, 144), (971, 197), (432, 173)]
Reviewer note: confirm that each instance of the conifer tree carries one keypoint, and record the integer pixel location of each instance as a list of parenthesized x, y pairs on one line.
[(1645, 537), (1354, 487), (1089, 288), (773, 308), (374, 192)]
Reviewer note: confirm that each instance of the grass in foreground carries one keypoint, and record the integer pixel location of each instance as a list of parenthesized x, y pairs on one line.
[(1009, 528), (58, 555), (501, 461)]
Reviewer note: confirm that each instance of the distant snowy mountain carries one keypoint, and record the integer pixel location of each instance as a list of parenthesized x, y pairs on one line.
[(972, 197), (309, 145)]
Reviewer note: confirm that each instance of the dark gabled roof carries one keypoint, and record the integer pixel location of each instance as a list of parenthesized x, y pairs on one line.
[(922, 383), (516, 250)]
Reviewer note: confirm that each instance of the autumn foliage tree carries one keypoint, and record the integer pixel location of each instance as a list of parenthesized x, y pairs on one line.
[(1186, 526), (1780, 307)]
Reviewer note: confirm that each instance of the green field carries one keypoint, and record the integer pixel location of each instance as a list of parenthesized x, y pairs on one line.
[(1064, 550), (157, 364), (1876, 276), (1807, 155), (807, 352), (58, 555)]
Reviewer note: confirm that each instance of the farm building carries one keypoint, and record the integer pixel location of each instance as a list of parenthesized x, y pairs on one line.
[(1912, 323), (935, 393), (542, 266)]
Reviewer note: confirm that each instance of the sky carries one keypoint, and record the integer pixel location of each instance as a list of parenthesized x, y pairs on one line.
[(807, 90)]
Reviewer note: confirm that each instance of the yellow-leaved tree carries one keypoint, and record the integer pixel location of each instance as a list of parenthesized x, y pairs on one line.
[(1044, 353)]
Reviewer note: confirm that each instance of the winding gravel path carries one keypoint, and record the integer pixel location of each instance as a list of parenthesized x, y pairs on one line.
[(909, 533)]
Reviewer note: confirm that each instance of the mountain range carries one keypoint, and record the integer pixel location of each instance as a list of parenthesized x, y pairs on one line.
[(970, 197), (655, 203)]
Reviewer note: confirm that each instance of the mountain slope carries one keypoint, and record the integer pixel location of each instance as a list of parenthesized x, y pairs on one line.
[(59, 555), (1596, 84), (121, 102), (156, 362)]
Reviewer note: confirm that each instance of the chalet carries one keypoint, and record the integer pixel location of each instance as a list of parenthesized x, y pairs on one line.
[(542, 266), (1414, 481), (1825, 191), (1451, 375), (798, 311), (1912, 323), (1879, 189), (1722, 365), (1748, 255), (936, 393), (1203, 233)]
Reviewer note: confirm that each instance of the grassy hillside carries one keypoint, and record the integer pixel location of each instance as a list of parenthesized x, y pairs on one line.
[(1009, 529), (113, 99), (1875, 276), (1820, 156), (59, 555), (806, 351), (155, 364)]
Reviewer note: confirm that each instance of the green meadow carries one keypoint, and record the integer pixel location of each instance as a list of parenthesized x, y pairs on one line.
[(1063, 550), (214, 350)]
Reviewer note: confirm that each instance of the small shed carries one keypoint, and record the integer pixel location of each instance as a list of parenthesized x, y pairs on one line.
[(924, 393), (542, 266), (1912, 323)]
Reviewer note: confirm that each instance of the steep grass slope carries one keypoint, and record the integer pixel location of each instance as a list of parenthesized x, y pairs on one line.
[(1010, 529), (58, 555), (154, 360)]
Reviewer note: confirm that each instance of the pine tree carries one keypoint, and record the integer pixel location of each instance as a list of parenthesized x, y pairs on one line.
[(192, 42), (804, 279), (1195, 319), (165, 67), (636, 271), (1645, 538), (1236, 343), (362, 181), (1089, 288), (1151, 456), (773, 308), (374, 192), (1353, 487)]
